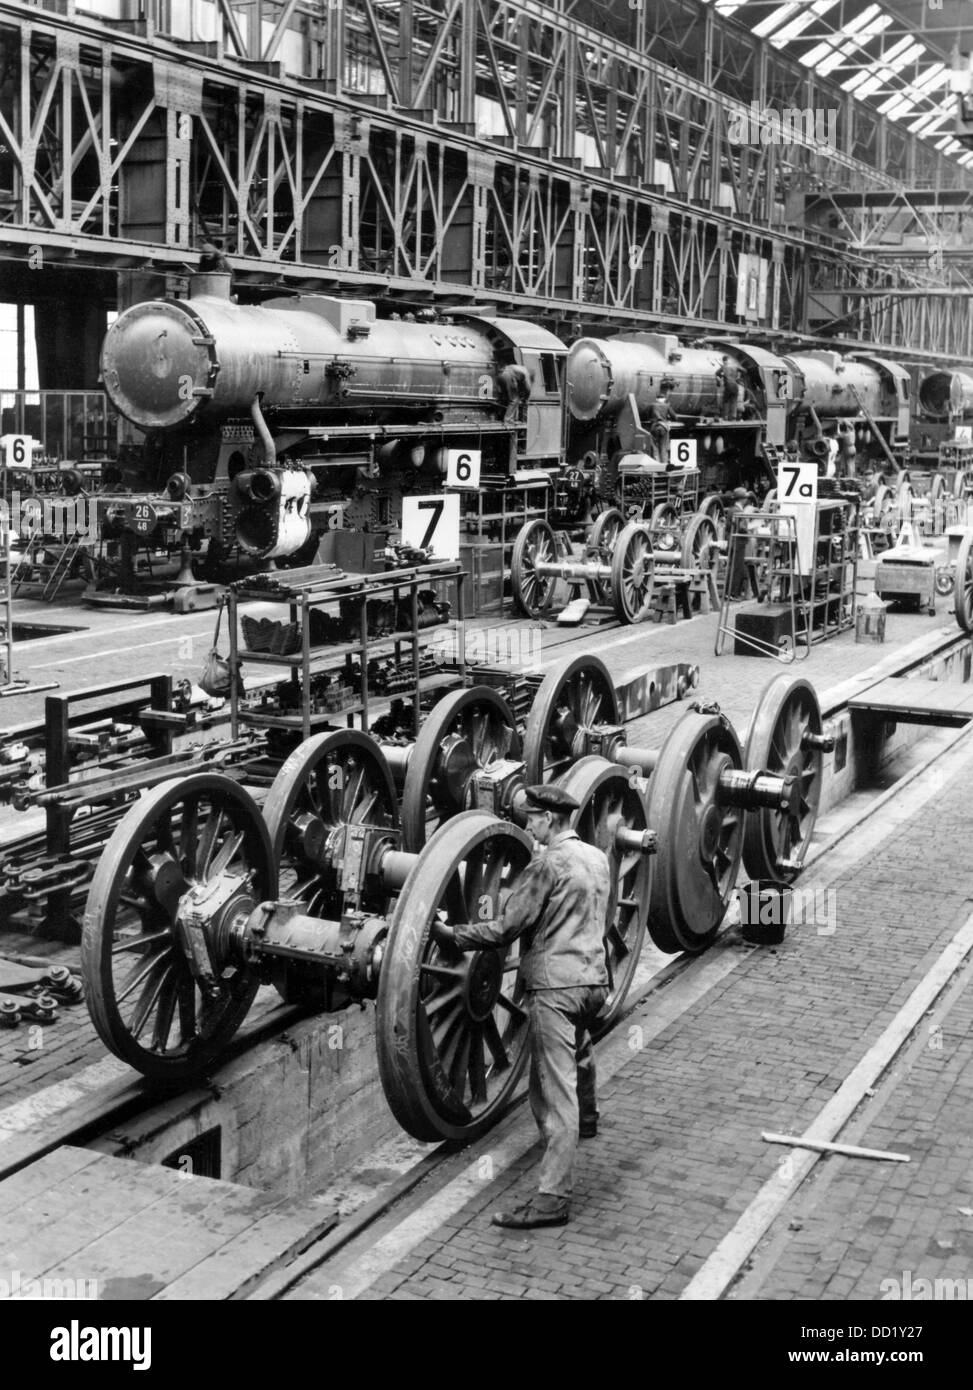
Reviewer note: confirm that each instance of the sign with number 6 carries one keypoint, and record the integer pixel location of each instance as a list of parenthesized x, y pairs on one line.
[(463, 468), (18, 451), (682, 453)]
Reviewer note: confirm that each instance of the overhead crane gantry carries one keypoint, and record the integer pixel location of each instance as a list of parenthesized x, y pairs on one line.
[(609, 191)]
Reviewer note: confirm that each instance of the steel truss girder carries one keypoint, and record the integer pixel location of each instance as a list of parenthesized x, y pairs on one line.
[(118, 147)]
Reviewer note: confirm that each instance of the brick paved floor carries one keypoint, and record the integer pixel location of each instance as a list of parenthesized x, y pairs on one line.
[(680, 1153)]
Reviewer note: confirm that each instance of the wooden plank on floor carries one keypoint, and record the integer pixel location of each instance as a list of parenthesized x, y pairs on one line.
[(32, 1183), (137, 1230), (271, 1243), (47, 1232), (143, 1255), (901, 695)]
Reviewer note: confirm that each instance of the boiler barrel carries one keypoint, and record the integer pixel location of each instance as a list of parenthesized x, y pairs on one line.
[(166, 361), (602, 373), (947, 393), (830, 390)]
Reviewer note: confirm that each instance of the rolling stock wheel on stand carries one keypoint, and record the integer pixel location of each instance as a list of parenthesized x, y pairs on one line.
[(533, 593), (572, 699), (465, 732), (785, 739), (632, 574), (963, 583), (605, 532), (330, 784), (700, 834), (609, 801), (160, 998), (451, 1027)]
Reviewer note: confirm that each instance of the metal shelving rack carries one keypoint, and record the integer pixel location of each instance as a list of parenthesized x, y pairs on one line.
[(304, 595), (831, 600), (768, 541), (491, 518)]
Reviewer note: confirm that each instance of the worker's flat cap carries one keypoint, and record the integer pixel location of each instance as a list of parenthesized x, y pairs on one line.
[(543, 798)]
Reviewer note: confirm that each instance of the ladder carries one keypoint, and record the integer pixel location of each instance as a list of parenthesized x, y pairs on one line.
[(62, 568)]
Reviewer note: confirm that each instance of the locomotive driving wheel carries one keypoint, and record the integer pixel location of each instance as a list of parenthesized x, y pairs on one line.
[(700, 547), (466, 731), (775, 840), (572, 699), (604, 534), (184, 868), (664, 525), (608, 800), (963, 583), (330, 783), (632, 574), (533, 592), (700, 837), (451, 1026)]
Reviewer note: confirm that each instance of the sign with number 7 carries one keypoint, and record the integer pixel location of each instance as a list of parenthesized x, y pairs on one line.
[(432, 523)]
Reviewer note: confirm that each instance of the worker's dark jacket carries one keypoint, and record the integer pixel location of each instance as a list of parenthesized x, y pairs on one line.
[(561, 902)]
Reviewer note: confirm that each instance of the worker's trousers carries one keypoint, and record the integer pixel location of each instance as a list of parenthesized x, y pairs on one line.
[(562, 1075)]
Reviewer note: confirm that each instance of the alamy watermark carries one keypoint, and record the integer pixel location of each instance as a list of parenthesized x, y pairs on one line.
[(792, 125), (494, 646), (49, 516), (908, 1289), (13, 1286), (800, 907)]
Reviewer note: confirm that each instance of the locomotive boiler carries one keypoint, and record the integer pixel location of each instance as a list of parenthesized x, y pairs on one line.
[(727, 399), (943, 400), (268, 424), (854, 409)]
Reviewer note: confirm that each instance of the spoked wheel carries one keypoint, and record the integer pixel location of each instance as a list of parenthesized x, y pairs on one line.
[(604, 534), (607, 801), (937, 487), (700, 839), (632, 573), (903, 483), (963, 583), (787, 711), (451, 1027), (328, 785), (533, 592), (664, 526), (468, 730), (700, 548), (959, 483), (712, 506), (193, 848), (572, 699)]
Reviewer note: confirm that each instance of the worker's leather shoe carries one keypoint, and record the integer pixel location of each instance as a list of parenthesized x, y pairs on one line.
[(543, 1210), (588, 1129)]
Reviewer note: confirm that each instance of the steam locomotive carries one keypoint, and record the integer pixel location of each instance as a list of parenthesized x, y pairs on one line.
[(268, 425)]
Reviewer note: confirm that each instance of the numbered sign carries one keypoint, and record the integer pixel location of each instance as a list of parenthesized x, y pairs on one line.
[(18, 451), (144, 518), (963, 434), (334, 517), (682, 453), (797, 492), (432, 523), (463, 468)]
